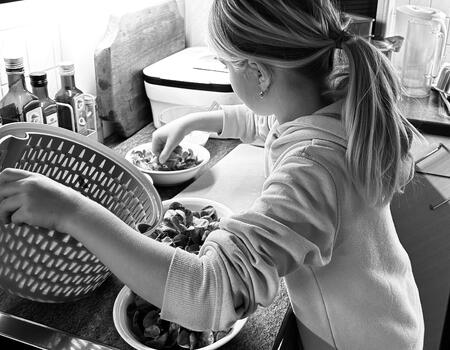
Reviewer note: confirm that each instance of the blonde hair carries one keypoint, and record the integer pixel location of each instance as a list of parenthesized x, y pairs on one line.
[(302, 35)]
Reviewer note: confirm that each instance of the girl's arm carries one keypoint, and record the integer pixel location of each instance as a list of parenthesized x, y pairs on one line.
[(241, 122), (140, 262), (235, 121)]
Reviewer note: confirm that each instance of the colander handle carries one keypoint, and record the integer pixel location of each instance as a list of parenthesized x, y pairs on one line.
[(11, 148)]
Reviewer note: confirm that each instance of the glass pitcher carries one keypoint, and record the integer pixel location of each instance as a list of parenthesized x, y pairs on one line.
[(425, 42)]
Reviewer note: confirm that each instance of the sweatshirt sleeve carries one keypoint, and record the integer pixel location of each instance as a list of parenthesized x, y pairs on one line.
[(293, 223), (241, 122)]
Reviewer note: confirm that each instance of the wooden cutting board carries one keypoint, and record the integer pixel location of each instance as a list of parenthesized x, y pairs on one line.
[(133, 41)]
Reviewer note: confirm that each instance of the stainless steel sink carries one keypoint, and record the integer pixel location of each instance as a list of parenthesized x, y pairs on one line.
[(17, 332)]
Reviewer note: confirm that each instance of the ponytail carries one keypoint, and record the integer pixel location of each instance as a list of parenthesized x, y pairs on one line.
[(379, 136)]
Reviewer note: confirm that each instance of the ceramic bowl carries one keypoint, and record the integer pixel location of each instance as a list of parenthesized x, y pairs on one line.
[(122, 324), (174, 177)]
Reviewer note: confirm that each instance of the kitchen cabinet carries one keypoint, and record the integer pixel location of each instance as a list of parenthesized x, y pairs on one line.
[(422, 219)]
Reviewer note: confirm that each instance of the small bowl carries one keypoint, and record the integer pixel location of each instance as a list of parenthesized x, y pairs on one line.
[(121, 322), (124, 298), (174, 177)]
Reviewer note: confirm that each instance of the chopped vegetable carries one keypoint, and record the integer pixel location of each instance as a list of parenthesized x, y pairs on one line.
[(154, 332), (186, 229), (179, 159)]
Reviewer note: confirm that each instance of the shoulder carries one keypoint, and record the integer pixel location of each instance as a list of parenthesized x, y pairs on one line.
[(309, 177), (305, 169), (324, 158)]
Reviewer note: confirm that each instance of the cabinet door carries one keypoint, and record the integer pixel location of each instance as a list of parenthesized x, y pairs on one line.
[(422, 219)]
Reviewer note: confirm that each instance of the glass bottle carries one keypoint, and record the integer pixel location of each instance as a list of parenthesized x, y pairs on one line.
[(18, 105), (73, 96), (38, 82)]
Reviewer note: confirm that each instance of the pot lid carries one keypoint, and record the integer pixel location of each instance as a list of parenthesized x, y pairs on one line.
[(192, 68)]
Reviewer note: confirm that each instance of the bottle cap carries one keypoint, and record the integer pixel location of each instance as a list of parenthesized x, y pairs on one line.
[(14, 62), (66, 68), (38, 78)]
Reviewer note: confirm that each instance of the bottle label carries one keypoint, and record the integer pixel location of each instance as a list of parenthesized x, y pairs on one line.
[(52, 119), (79, 111), (34, 116)]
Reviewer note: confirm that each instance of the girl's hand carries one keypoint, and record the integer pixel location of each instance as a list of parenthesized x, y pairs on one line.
[(35, 199), (167, 137)]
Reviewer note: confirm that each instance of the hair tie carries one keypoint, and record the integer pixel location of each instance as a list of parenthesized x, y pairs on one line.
[(343, 37)]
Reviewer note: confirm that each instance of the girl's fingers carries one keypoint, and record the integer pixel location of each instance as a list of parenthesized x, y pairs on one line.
[(162, 149), (8, 207), (18, 216), (9, 189), (12, 174), (164, 155)]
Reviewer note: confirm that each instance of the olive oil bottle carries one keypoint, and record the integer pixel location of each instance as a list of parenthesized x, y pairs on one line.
[(38, 82), (73, 96), (18, 105)]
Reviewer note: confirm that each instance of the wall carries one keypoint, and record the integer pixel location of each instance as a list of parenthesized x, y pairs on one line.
[(196, 16)]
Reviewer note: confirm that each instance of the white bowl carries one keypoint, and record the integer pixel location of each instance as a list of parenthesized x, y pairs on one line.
[(121, 322), (175, 177), (124, 298)]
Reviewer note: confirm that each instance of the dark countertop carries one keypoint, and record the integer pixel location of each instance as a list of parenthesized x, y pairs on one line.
[(428, 114), (91, 317)]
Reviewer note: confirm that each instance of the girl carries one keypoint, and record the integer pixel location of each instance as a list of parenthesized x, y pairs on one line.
[(337, 149)]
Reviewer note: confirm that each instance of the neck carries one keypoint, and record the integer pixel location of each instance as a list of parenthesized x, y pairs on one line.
[(298, 96), (16, 80), (40, 91), (68, 81)]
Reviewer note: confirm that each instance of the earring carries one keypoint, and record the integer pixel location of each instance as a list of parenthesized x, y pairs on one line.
[(261, 94)]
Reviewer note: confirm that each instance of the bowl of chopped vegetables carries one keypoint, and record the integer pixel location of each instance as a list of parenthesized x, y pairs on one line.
[(186, 224), (139, 325), (183, 164)]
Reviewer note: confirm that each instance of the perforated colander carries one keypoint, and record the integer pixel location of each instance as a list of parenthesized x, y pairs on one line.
[(50, 266)]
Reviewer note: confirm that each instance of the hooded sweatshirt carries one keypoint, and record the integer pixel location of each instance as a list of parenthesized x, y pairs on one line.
[(348, 277)]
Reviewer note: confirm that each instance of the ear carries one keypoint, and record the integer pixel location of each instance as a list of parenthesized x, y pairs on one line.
[(263, 74)]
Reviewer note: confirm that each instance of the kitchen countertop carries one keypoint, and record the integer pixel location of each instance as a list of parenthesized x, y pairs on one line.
[(428, 114), (91, 317)]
